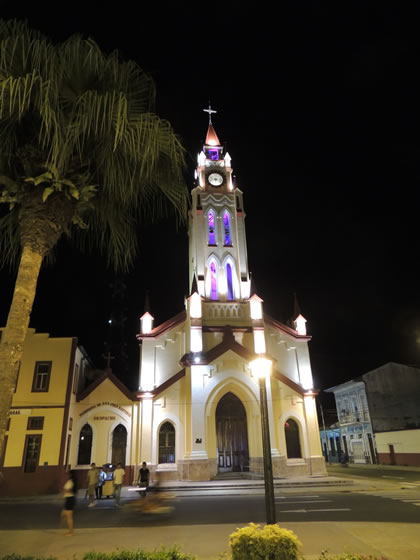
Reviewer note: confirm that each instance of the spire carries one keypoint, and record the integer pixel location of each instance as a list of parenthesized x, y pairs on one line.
[(147, 302), (298, 319), (146, 320), (211, 138), (194, 287)]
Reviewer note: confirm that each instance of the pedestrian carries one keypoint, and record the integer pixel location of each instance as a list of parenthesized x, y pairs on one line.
[(144, 478), (101, 480), (93, 477), (70, 491), (119, 474)]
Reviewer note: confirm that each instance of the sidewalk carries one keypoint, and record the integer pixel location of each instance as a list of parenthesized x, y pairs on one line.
[(397, 541)]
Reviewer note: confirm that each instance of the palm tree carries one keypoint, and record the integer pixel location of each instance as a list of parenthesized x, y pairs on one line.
[(82, 154)]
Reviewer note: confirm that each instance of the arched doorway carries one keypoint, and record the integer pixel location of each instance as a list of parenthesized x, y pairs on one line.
[(232, 435), (119, 445), (291, 430)]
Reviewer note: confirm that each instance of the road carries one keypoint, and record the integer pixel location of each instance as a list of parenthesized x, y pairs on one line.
[(390, 505)]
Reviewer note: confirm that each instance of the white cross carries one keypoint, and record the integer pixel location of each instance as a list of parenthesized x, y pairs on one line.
[(209, 111)]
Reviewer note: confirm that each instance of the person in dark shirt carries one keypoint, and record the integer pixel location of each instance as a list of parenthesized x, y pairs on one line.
[(144, 478)]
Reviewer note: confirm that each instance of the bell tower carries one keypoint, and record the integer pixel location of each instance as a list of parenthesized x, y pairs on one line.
[(217, 242)]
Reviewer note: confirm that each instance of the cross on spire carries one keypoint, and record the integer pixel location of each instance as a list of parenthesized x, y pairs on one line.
[(108, 359), (209, 111)]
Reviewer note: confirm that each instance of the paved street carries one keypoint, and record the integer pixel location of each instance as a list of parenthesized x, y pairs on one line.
[(374, 519), (389, 505)]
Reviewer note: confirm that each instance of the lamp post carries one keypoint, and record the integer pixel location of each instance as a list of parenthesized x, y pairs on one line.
[(261, 368)]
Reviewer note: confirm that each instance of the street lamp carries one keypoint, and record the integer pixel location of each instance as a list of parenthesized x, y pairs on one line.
[(261, 368)]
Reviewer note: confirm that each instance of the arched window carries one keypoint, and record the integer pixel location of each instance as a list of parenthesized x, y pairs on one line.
[(167, 443), (229, 281), (226, 226), (291, 430), (85, 445), (213, 280), (212, 229), (119, 445)]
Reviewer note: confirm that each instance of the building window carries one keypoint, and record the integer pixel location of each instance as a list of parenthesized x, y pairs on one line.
[(213, 280), (119, 445), (35, 423), (229, 281), (226, 226), (76, 378), (167, 443), (291, 430), (8, 424), (70, 424), (85, 445), (32, 452), (42, 375), (212, 229)]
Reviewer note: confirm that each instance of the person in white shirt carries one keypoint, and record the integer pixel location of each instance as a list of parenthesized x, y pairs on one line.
[(119, 474)]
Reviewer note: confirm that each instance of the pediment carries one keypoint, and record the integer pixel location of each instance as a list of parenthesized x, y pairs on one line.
[(107, 387)]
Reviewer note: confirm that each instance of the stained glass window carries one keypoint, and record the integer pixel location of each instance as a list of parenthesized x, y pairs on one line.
[(229, 281), (226, 225), (213, 277), (212, 233)]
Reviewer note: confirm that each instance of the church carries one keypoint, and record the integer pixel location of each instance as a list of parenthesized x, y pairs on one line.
[(196, 412)]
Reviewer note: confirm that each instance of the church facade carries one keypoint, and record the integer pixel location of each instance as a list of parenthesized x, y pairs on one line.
[(197, 409)]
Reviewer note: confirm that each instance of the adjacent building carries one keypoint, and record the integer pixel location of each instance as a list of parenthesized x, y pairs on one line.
[(379, 415), (40, 428)]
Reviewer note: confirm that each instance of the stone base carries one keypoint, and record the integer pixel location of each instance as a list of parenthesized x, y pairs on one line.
[(284, 468), (256, 465), (197, 469), (311, 466)]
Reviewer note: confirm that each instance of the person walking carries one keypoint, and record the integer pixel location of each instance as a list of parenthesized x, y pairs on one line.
[(70, 491), (93, 478), (144, 478), (119, 474)]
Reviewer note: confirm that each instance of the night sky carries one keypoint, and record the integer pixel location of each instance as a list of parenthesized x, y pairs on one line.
[(319, 110)]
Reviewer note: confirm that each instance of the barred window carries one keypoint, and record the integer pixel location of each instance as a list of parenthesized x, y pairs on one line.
[(42, 373), (35, 423)]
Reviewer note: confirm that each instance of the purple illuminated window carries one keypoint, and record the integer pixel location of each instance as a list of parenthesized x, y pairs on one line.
[(213, 277), (214, 155), (226, 225), (229, 281), (212, 235)]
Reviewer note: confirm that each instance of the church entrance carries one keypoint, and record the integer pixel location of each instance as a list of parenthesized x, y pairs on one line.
[(232, 435)]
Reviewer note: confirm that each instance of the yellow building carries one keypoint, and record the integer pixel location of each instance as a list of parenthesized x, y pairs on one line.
[(196, 413), (40, 426)]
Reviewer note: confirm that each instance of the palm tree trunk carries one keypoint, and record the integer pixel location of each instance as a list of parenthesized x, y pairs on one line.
[(11, 345)]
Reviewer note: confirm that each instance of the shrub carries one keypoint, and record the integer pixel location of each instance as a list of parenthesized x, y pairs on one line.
[(269, 543), (163, 554)]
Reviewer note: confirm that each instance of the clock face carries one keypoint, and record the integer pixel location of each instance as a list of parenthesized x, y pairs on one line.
[(215, 179)]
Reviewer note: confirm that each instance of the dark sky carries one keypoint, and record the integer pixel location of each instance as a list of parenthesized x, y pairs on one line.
[(319, 110)]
